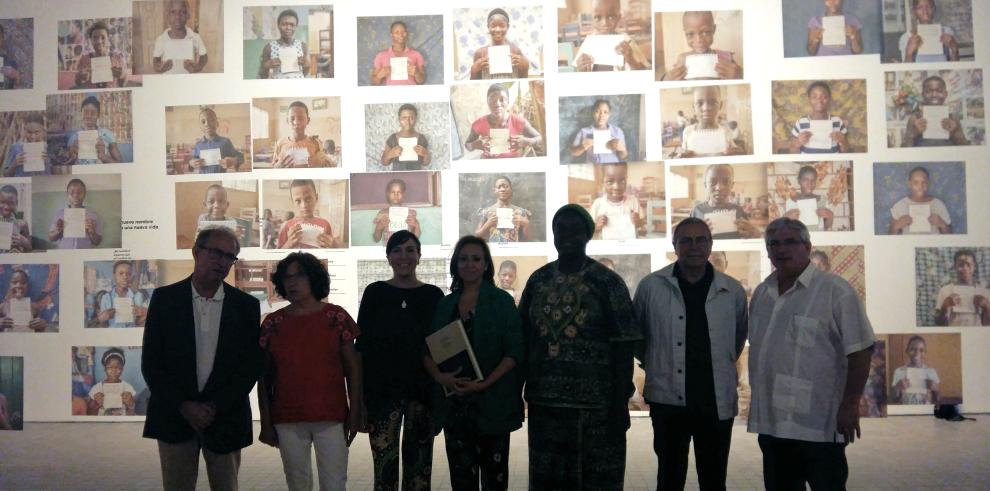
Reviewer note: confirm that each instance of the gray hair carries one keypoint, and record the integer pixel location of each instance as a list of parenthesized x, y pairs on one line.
[(204, 236), (784, 222)]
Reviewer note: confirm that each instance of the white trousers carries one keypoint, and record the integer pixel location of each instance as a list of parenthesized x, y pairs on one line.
[(294, 443)]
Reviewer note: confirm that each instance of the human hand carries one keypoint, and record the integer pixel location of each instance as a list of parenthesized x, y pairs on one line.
[(84, 75), (449, 379), (105, 315), (840, 140), (90, 227), (356, 421), (492, 221), (747, 229), (98, 398), (21, 158), (733, 150), (421, 151), (128, 399), (852, 33), (949, 124), (794, 214), (393, 153), (824, 213), (518, 60), (101, 149), (687, 154), (584, 63), (847, 419), (952, 301), (197, 163), (37, 324), (293, 236), (804, 137), (920, 125), (326, 241), (815, 35), (936, 221), (268, 435), (480, 63), (411, 69), (381, 221), (6, 324), (914, 42), (165, 66), (519, 220), (601, 221), (467, 386), (58, 228), (679, 70), (980, 302), (20, 241), (728, 70), (199, 415)]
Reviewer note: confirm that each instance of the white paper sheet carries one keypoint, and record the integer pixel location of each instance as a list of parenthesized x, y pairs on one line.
[(919, 218), (289, 60), (499, 142), (601, 138), (701, 66), (211, 156), (708, 142), (397, 216), (601, 48), (32, 156), (400, 68), (408, 153), (112, 395), (933, 118), (300, 157), (821, 134), (809, 211), (504, 218), (75, 223), (931, 39), (20, 311), (966, 294), (723, 221), (917, 380), (6, 235), (86, 140), (123, 309), (619, 227), (499, 59), (101, 69), (178, 50), (310, 232), (835, 30)]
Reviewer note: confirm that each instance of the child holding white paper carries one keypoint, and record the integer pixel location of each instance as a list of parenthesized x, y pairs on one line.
[(911, 42), (179, 49), (707, 137), (602, 142), (17, 311), (122, 274), (398, 145), (415, 65), (965, 302), (945, 130), (287, 48), (216, 203), (916, 382), (919, 203), (606, 15), (33, 146), (616, 206), (20, 233), (512, 63), (518, 135), (820, 131), (512, 226), (807, 182), (699, 32), (93, 144), (102, 67), (213, 153), (834, 33), (10, 75), (299, 149), (306, 230), (75, 226), (112, 396), (719, 181), (395, 192)]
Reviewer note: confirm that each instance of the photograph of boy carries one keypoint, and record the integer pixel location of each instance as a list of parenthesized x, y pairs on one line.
[(934, 108), (107, 381), (503, 208), (178, 36), (831, 27), (819, 194), (15, 218), (721, 121), (919, 198), (407, 136), (30, 298), (699, 45), (604, 35), (207, 139), (928, 31), (229, 204), (820, 116), (117, 292), (288, 42), (512, 272), (602, 129), (928, 368), (952, 286), (718, 194), (11, 393), (23, 149), (96, 54), (385, 202), (86, 128), (626, 200), (499, 43), (400, 50), (16, 54), (295, 133), (321, 218), (501, 120), (76, 212)]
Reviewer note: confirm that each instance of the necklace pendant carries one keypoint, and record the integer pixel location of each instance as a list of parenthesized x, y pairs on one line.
[(403, 304), (553, 350)]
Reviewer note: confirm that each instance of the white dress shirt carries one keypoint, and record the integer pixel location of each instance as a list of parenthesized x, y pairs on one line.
[(206, 314)]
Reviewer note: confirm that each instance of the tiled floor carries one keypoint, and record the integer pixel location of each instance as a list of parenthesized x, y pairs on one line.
[(906, 452)]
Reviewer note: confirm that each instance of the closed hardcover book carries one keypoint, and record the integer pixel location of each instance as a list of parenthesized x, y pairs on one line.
[(451, 351)]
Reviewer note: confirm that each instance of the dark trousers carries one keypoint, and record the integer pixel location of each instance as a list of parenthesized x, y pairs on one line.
[(472, 455), (789, 464), (673, 429), (384, 425)]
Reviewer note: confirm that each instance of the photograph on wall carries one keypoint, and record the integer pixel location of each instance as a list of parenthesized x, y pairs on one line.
[(22, 144), (873, 404), (16, 54), (11, 393), (107, 381), (604, 35), (743, 389), (501, 120), (732, 199), (627, 201), (927, 31), (207, 139), (319, 212), (431, 270), (602, 129), (820, 194), (503, 208), (706, 121), (81, 212), (400, 50), (116, 293), (699, 45), (255, 279), (831, 27), (96, 54), (919, 198), (230, 204), (512, 272), (407, 136), (742, 266), (178, 36), (846, 261), (928, 368), (819, 116), (383, 203), (283, 42), (935, 108), (951, 286), (295, 132), (30, 298), (86, 128), (500, 43), (15, 219)]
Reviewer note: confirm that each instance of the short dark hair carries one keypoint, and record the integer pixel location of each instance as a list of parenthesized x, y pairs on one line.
[(807, 169), (35, 117), (408, 107), (120, 263), (96, 27), (689, 221), (203, 236), (397, 23), (8, 189), (91, 101), (299, 104), (971, 253), (912, 339), (489, 275), (287, 13), (393, 182), (75, 180), (401, 237), (502, 177), (821, 85), (497, 87), (298, 183), (919, 169), (508, 263), (935, 78), (599, 102), (316, 273)]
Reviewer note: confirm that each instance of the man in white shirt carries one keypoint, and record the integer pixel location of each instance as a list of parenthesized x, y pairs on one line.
[(810, 347)]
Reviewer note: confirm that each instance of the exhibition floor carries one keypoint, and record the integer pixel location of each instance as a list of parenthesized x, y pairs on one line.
[(905, 452)]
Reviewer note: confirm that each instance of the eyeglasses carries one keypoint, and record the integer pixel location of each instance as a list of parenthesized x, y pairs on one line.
[(784, 243), (701, 241), (215, 253)]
